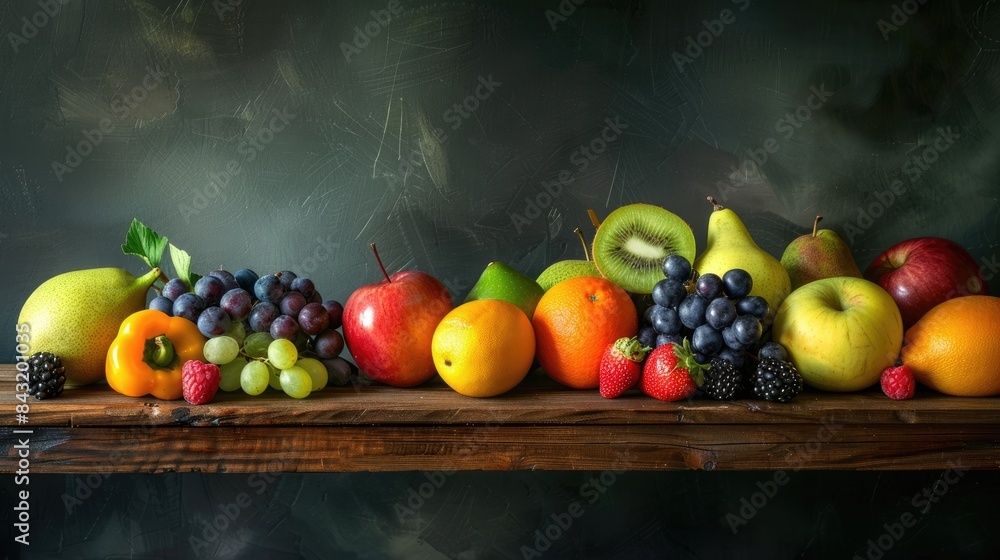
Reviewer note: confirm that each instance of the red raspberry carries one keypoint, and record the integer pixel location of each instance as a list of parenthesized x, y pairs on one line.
[(199, 381), (897, 382)]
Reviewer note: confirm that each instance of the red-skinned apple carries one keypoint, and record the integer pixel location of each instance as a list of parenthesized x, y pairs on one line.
[(922, 272), (388, 326)]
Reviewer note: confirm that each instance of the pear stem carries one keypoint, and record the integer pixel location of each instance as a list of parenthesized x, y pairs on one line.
[(716, 205), (816, 225), (593, 218), (378, 259), (583, 242)]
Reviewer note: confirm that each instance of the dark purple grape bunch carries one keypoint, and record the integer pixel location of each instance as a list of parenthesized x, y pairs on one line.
[(718, 315)]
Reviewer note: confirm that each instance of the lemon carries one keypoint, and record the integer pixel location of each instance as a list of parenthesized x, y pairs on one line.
[(483, 348)]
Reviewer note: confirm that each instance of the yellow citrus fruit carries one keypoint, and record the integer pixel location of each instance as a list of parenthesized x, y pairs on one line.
[(954, 347), (575, 322), (483, 348)]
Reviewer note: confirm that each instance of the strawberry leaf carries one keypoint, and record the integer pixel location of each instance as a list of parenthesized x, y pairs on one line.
[(144, 243)]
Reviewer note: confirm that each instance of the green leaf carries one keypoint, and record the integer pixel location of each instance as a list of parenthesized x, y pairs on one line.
[(144, 243), (182, 265)]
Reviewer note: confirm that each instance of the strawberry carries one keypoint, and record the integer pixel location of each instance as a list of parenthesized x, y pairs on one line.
[(897, 382), (670, 373), (621, 366), (199, 381)]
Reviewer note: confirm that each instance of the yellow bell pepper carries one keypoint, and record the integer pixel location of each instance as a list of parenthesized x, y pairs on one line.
[(147, 356)]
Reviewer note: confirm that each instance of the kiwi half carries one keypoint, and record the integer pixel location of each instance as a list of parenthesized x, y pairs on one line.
[(632, 242)]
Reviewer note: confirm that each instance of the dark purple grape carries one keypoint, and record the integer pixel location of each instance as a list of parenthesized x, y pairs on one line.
[(647, 337), (315, 297), (246, 278), (747, 329), (189, 306), (774, 351), (269, 289), (737, 283), (732, 356), (262, 315), (339, 370), (669, 292), (706, 340), (730, 340), (287, 277), (213, 322), (328, 344), (304, 286), (228, 280), (174, 288), (702, 358), (237, 302), (285, 327), (720, 313), (646, 315), (708, 286), (210, 289), (665, 320), (692, 311), (677, 267), (668, 339), (163, 304), (292, 303), (314, 318), (336, 311), (753, 305)]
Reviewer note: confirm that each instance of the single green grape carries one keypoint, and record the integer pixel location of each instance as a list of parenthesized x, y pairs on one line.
[(254, 377), (231, 374), (237, 331), (282, 354), (221, 350), (256, 344), (275, 379), (316, 370), (295, 382)]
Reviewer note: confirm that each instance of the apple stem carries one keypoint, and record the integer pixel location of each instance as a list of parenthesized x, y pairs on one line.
[(715, 205), (593, 218), (378, 259), (583, 242), (816, 224)]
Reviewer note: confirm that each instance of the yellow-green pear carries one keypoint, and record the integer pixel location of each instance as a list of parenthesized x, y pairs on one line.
[(731, 246), (823, 254), (559, 271), (76, 315)]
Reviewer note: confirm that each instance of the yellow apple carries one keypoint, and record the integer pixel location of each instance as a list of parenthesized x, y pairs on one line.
[(840, 332)]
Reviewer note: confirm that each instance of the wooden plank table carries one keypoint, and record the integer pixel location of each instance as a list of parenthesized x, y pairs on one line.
[(539, 425)]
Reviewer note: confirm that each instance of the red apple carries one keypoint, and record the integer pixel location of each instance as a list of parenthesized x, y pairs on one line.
[(923, 272), (388, 326)]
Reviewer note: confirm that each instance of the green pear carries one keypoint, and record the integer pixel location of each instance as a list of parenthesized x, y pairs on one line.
[(76, 316), (501, 281), (823, 254), (731, 246), (563, 270)]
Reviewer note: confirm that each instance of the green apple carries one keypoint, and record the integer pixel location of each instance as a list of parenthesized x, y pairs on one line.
[(840, 332), (501, 281)]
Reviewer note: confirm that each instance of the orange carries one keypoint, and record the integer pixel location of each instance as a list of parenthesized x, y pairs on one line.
[(575, 321), (955, 349), (483, 348)]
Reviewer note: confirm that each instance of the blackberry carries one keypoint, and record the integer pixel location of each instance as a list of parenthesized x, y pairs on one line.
[(776, 381), (722, 381), (46, 375)]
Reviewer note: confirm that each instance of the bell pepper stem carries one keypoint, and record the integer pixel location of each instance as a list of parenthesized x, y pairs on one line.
[(163, 353)]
